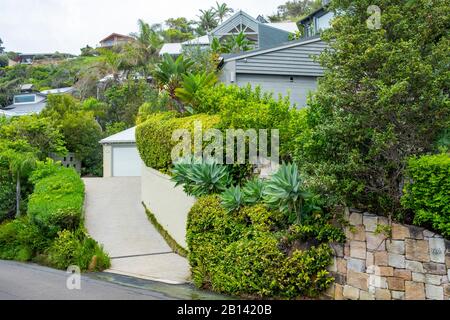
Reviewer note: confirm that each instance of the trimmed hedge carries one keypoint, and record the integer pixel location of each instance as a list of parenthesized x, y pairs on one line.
[(52, 233), (57, 201), (154, 136), (245, 254), (428, 191)]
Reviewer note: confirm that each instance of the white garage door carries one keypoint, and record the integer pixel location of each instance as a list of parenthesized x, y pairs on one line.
[(126, 161)]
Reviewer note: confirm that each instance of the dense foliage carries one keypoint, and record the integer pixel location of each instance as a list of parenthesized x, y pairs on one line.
[(427, 191), (247, 253), (384, 98), (154, 136), (52, 231)]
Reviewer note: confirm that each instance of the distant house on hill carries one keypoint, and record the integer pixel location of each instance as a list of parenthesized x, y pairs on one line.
[(30, 102), (261, 33), (115, 39), (29, 58)]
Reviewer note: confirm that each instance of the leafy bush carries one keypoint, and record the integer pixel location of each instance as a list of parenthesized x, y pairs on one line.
[(240, 253), (203, 178), (7, 195), (76, 248), (427, 191), (154, 136), (191, 84), (383, 98), (57, 200), (251, 108)]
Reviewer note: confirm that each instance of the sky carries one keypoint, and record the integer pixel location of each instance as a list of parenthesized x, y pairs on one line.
[(46, 26)]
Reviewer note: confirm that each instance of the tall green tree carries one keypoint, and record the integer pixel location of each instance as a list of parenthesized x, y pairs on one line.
[(384, 97), (147, 44), (21, 159), (207, 20), (2, 48), (222, 11)]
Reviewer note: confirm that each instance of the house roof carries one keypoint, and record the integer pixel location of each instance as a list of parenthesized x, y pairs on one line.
[(24, 109), (285, 26), (281, 46), (126, 136), (58, 91), (203, 40), (171, 48), (27, 86), (112, 35)]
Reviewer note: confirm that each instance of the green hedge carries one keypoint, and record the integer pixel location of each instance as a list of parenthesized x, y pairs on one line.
[(244, 254), (428, 191), (57, 201), (52, 232), (154, 136)]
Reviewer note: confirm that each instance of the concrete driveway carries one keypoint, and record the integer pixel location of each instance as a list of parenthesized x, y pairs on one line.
[(116, 218)]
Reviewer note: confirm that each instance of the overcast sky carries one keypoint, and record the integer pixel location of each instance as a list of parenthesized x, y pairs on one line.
[(33, 26)]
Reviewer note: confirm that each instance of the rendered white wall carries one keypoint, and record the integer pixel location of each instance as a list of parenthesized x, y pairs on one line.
[(170, 205)]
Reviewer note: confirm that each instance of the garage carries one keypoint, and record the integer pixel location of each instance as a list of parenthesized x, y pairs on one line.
[(120, 155)]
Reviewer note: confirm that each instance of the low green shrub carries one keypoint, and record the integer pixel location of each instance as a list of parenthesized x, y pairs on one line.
[(154, 136), (57, 201), (427, 191), (77, 248), (7, 195), (242, 253)]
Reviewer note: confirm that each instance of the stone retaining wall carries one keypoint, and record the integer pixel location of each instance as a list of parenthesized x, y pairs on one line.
[(385, 261)]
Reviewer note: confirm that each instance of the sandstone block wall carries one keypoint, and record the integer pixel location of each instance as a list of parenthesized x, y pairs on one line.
[(382, 261)]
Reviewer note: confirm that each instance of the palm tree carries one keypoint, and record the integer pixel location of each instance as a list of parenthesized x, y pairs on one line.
[(20, 164), (237, 43), (147, 44), (222, 11), (112, 61), (169, 73), (208, 20)]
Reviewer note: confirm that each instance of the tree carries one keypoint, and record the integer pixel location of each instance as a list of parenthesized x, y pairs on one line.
[(222, 11), (169, 72), (207, 21), (21, 159), (295, 9), (179, 30), (192, 83), (236, 44), (384, 97), (2, 48), (147, 44)]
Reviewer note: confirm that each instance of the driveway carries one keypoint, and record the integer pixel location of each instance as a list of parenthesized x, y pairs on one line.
[(116, 218)]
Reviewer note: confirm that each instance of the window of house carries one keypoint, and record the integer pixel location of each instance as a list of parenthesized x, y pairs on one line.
[(323, 22), (25, 98)]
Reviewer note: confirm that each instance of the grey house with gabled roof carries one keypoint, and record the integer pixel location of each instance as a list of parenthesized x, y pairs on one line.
[(286, 69)]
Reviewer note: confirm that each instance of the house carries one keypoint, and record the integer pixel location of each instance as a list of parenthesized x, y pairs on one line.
[(286, 69), (115, 39), (29, 102), (261, 33), (25, 104), (317, 21), (120, 155), (30, 58)]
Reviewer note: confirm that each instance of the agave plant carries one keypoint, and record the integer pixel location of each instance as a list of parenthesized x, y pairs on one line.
[(253, 191), (199, 179), (285, 192), (192, 83), (232, 199)]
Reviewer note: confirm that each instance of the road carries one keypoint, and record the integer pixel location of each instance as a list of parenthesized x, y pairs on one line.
[(20, 281)]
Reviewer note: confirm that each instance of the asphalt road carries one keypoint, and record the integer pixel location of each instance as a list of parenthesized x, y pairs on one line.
[(20, 281)]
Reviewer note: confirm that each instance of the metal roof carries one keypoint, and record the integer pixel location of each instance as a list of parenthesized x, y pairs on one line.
[(58, 91), (203, 40), (171, 48), (23, 109), (281, 46), (126, 136)]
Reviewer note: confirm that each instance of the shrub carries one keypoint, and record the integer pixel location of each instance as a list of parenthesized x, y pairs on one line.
[(154, 137), (383, 98), (232, 199), (7, 195), (240, 253), (427, 191), (57, 200), (76, 248)]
